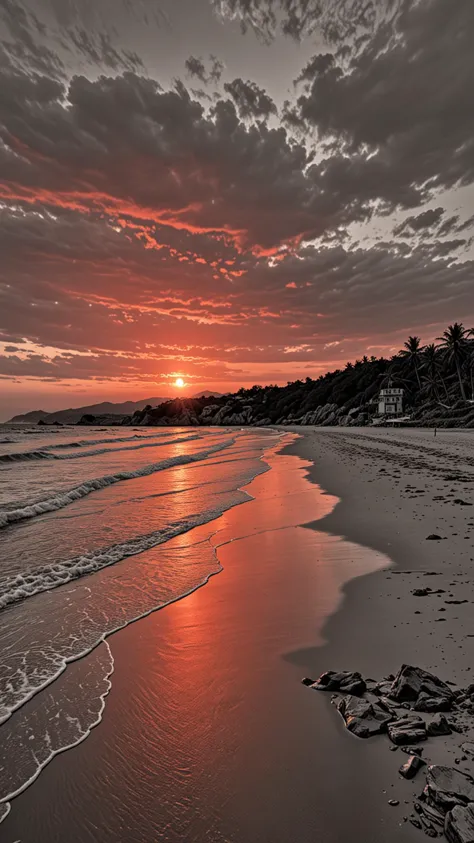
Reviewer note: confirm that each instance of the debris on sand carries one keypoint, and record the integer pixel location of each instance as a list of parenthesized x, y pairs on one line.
[(398, 706)]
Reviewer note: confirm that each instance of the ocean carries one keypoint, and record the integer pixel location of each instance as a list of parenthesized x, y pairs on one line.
[(93, 536)]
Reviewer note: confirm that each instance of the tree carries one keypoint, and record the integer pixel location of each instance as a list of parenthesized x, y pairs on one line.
[(430, 366), (455, 344), (411, 351)]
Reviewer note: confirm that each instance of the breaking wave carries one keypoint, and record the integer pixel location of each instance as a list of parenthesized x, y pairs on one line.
[(59, 501), (47, 453), (18, 588)]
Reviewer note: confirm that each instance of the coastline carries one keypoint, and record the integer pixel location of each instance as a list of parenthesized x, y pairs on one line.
[(380, 624), (373, 629), (387, 518)]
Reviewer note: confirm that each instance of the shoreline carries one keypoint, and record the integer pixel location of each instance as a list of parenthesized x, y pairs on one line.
[(358, 632), (378, 517), (208, 685), (380, 624)]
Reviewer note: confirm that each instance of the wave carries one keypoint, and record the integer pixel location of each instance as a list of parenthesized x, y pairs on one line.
[(59, 501), (20, 587), (46, 453)]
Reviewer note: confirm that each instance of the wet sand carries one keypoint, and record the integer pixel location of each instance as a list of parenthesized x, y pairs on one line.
[(208, 734)]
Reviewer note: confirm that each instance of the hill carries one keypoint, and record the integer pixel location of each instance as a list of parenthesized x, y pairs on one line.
[(105, 408), (74, 414), (437, 384)]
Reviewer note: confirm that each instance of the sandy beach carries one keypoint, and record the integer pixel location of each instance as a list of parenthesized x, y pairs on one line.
[(208, 734)]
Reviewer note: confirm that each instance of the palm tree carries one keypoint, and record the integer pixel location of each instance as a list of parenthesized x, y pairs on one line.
[(455, 343), (432, 371), (411, 351)]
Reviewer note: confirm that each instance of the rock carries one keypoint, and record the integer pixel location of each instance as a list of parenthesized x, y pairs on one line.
[(427, 703), (393, 802), (447, 787), (468, 748), (412, 750), (438, 726), (382, 688), (433, 538), (307, 682), (346, 681), (426, 691), (421, 592), (410, 768), (459, 824), (406, 730), (362, 717)]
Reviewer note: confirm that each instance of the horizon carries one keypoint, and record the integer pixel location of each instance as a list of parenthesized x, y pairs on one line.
[(190, 192)]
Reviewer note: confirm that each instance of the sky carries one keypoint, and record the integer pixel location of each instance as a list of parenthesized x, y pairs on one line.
[(227, 191)]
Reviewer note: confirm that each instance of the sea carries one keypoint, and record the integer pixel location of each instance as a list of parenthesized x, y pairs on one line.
[(80, 509)]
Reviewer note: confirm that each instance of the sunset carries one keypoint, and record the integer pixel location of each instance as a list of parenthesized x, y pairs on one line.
[(236, 421)]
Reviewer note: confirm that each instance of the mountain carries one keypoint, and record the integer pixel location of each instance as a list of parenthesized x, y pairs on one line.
[(29, 418), (72, 415), (106, 408)]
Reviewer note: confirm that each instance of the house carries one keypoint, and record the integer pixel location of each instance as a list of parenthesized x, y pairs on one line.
[(390, 401)]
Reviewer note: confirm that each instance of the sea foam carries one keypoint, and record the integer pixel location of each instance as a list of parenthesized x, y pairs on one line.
[(20, 513)]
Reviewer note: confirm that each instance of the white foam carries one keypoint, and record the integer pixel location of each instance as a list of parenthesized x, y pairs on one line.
[(20, 587), (46, 454), (59, 501), (47, 451)]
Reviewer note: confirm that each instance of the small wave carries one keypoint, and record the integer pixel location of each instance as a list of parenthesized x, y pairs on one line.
[(46, 453), (85, 443), (19, 588), (59, 501)]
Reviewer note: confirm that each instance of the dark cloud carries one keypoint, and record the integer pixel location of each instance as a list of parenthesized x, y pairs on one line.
[(216, 69), (97, 47), (401, 110), (317, 66), (336, 21), (21, 34), (197, 68), (121, 145), (419, 223), (251, 101), (145, 227)]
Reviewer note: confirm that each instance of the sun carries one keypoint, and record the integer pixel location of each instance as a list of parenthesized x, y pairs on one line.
[(179, 383)]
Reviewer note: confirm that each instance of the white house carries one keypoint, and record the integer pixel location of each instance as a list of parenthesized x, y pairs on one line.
[(390, 401)]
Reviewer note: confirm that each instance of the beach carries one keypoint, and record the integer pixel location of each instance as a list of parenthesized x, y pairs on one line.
[(207, 733)]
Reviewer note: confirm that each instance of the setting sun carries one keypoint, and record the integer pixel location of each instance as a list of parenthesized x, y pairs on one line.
[(179, 383)]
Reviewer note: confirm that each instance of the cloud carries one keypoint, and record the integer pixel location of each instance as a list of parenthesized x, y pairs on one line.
[(145, 227), (251, 101), (197, 68), (419, 223), (335, 21), (121, 145), (396, 110)]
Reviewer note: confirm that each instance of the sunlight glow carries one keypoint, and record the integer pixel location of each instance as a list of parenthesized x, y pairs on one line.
[(179, 383)]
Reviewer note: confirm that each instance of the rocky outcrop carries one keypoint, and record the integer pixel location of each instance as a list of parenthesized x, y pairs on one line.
[(105, 420), (399, 706), (362, 717), (447, 787), (459, 824), (410, 768), (345, 681), (406, 730), (423, 690)]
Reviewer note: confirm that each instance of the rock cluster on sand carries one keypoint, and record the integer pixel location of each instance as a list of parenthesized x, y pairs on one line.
[(410, 707)]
